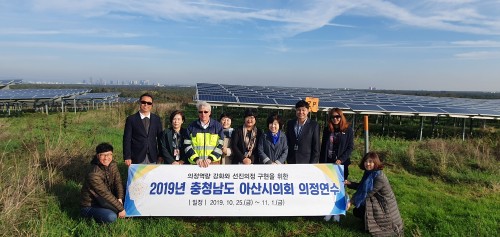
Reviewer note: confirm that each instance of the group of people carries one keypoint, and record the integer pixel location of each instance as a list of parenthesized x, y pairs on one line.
[(207, 141)]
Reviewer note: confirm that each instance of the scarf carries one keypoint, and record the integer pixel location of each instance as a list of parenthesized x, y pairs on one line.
[(275, 138), (365, 186), (249, 140), (176, 138), (227, 132)]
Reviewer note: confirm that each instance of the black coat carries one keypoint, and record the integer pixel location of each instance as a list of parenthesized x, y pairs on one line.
[(238, 146), (346, 145), (136, 142), (167, 146), (308, 143)]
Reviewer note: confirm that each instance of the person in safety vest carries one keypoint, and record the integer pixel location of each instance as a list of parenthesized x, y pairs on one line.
[(203, 146)]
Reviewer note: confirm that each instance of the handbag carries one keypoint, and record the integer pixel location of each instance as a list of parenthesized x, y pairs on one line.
[(103, 202)]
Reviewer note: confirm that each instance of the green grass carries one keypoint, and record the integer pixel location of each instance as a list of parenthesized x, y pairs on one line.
[(443, 187)]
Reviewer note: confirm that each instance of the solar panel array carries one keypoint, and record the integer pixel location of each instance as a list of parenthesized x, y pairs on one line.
[(38, 94), (10, 82), (27, 95), (96, 96), (126, 100), (357, 101)]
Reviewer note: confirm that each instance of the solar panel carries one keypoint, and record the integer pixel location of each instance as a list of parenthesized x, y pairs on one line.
[(31, 94), (394, 108), (485, 112), (412, 104), (97, 95), (348, 99), (458, 111), (217, 98), (287, 101), (127, 100), (428, 110), (332, 104), (216, 93), (256, 100), (364, 107)]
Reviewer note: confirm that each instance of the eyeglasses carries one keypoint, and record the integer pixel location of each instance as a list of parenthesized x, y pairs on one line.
[(146, 102), (336, 117), (203, 112)]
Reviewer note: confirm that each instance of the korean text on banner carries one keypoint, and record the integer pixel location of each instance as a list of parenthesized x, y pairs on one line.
[(235, 190)]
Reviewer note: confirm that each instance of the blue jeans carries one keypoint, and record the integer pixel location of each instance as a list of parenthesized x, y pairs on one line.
[(101, 215)]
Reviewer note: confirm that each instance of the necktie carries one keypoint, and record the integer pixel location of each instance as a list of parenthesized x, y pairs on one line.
[(145, 121)]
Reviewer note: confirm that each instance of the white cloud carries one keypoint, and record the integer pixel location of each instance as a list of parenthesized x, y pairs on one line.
[(478, 43), (292, 18), (461, 17), (478, 55)]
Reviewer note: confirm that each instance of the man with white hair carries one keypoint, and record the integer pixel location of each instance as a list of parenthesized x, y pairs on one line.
[(204, 144)]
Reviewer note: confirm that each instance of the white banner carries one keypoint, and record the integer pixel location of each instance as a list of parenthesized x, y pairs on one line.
[(235, 190)]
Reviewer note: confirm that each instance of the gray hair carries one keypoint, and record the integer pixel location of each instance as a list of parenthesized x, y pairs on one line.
[(201, 104)]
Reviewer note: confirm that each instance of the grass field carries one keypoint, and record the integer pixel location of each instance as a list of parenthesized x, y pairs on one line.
[(443, 187)]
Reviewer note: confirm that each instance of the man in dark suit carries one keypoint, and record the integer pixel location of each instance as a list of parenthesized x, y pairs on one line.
[(142, 135), (302, 135)]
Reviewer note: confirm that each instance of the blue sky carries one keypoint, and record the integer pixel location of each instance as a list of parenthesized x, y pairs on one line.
[(411, 45)]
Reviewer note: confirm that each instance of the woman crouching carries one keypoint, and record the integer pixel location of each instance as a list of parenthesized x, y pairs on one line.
[(374, 200), (102, 192)]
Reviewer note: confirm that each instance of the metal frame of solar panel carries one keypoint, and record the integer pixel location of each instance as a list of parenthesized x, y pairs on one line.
[(20, 98), (127, 99), (6, 83), (351, 101), (95, 96)]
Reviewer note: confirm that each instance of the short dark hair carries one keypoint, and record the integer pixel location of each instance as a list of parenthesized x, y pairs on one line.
[(223, 115), (276, 117), (250, 112), (302, 103), (146, 94), (103, 147), (176, 112), (376, 160)]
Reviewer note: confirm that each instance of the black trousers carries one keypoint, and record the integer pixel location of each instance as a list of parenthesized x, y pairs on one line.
[(346, 172), (359, 212), (346, 167)]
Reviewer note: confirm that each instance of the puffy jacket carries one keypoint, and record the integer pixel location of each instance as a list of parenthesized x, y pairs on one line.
[(204, 143), (104, 181)]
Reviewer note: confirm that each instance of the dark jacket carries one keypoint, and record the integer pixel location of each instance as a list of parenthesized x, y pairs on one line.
[(167, 145), (269, 152), (105, 182), (238, 146), (346, 145), (136, 141), (308, 143), (382, 217)]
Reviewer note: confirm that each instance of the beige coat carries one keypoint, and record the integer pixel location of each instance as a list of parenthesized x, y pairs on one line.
[(226, 158)]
